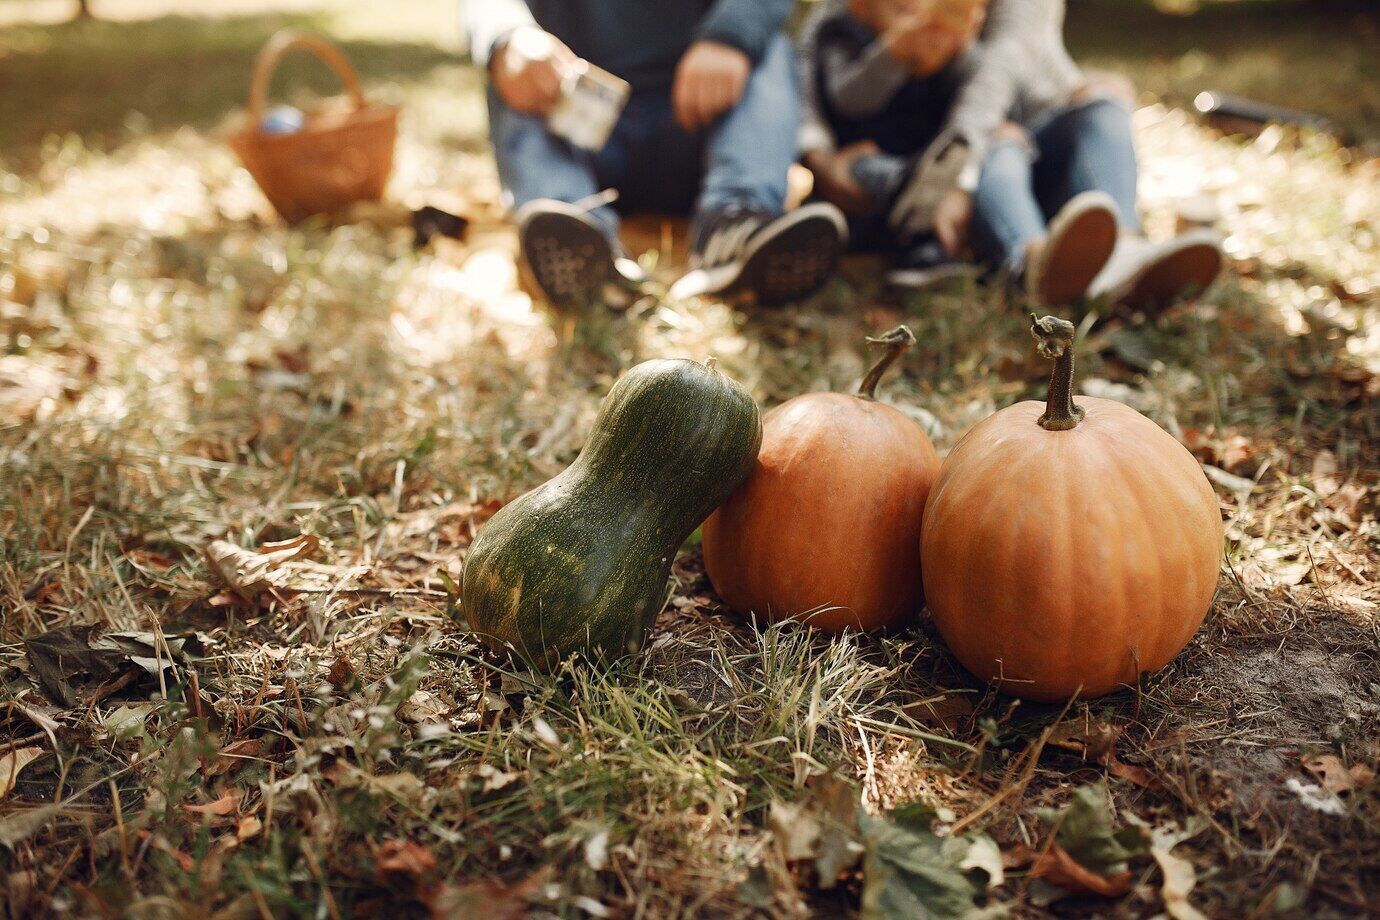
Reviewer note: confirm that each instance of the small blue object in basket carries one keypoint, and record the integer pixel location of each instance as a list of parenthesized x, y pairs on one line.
[(282, 119)]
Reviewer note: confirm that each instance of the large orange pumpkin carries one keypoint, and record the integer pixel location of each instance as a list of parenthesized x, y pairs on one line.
[(1068, 548), (825, 526)]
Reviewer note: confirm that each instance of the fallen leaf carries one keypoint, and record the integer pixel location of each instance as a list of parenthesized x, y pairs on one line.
[(1324, 473), (486, 900), (65, 655), (12, 763), (149, 559), (1095, 741), (908, 871), (1135, 774), (20, 826), (1179, 875), (233, 756), (494, 778), (945, 712), (341, 673), (127, 722), (247, 827), (1056, 866), (1086, 830), (597, 849), (1313, 796), (248, 573), (227, 804), (403, 858), (795, 829), (1334, 775)]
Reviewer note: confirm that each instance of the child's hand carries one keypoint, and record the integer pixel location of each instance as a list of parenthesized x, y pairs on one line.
[(833, 172), (710, 79), (923, 46), (951, 220), (528, 70)]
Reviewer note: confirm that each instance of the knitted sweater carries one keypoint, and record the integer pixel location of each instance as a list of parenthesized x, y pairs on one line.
[(1018, 71)]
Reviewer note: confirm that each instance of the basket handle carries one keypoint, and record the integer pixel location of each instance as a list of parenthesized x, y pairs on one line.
[(272, 53)]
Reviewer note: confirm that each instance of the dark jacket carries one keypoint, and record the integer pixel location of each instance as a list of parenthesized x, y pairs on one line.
[(638, 40)]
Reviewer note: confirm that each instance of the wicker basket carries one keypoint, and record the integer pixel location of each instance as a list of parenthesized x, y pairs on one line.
[(343, 152)]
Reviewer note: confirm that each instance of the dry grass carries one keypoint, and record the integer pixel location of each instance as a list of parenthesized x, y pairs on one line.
[(179, 369)]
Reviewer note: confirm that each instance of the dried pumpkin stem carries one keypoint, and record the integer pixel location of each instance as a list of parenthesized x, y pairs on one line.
[(896, 342), (1054, 339)]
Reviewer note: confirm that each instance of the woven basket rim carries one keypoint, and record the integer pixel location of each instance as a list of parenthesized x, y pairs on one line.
[(369, 116)]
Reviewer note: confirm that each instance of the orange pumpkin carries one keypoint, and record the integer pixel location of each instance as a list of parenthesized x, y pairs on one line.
[(1069, 550), (825, 526)]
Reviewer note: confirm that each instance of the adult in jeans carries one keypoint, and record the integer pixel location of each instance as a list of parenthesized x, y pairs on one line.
[(709, 130)]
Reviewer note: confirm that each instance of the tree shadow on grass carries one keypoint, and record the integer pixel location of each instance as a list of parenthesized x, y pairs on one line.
[(100, 79)]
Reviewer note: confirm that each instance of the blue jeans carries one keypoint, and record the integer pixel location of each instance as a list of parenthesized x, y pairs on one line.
[(1077, 149), (740, 159)]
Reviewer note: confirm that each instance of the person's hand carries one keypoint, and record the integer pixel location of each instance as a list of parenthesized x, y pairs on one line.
[(951, 220), (921, 45), (710, 79), (528, 70), (833, 171), (1099, 85)]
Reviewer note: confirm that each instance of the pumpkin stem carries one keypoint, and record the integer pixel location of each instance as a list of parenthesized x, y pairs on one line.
[(1054, 339), (896, 342)]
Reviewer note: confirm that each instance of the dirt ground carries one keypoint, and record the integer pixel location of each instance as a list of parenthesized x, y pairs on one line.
[(191, 726)]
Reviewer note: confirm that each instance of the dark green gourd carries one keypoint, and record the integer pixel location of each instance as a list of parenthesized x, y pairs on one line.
[(581, 563)]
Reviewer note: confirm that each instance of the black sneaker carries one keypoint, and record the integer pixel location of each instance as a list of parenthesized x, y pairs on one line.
[(926, 263), (770, 260), (568, 252)]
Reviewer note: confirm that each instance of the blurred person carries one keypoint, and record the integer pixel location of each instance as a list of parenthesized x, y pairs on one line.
[(1046, 192), (879, 79), (709, 129)]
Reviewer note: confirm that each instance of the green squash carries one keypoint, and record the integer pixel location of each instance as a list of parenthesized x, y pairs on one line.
[(581, 563)]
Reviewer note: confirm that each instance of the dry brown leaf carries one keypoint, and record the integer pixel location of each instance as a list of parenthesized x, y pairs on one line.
[(487, 900), (1324, 473), (1179, 879), (403, 858), (227, 804), (341, 672), (249, 573), (1057, 867), (12, 763), (233, 756), (247, 827), (1335, 776), (945, 712), (1095, 741), (149, 559), (1138, 775)]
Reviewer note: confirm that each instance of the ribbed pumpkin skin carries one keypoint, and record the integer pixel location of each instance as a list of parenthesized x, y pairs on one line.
[(581, 562), (829, 517), (1066, 562)]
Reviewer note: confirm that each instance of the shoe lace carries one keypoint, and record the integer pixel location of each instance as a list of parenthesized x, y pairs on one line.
[(727, 234)]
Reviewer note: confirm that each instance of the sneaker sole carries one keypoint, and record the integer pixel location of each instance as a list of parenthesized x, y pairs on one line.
[(795, 261), (1180, 275), (569, 258), (1080, 243)]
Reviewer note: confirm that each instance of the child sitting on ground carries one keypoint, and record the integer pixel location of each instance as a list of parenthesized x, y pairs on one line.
[(1054, 202), (879, 78)]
